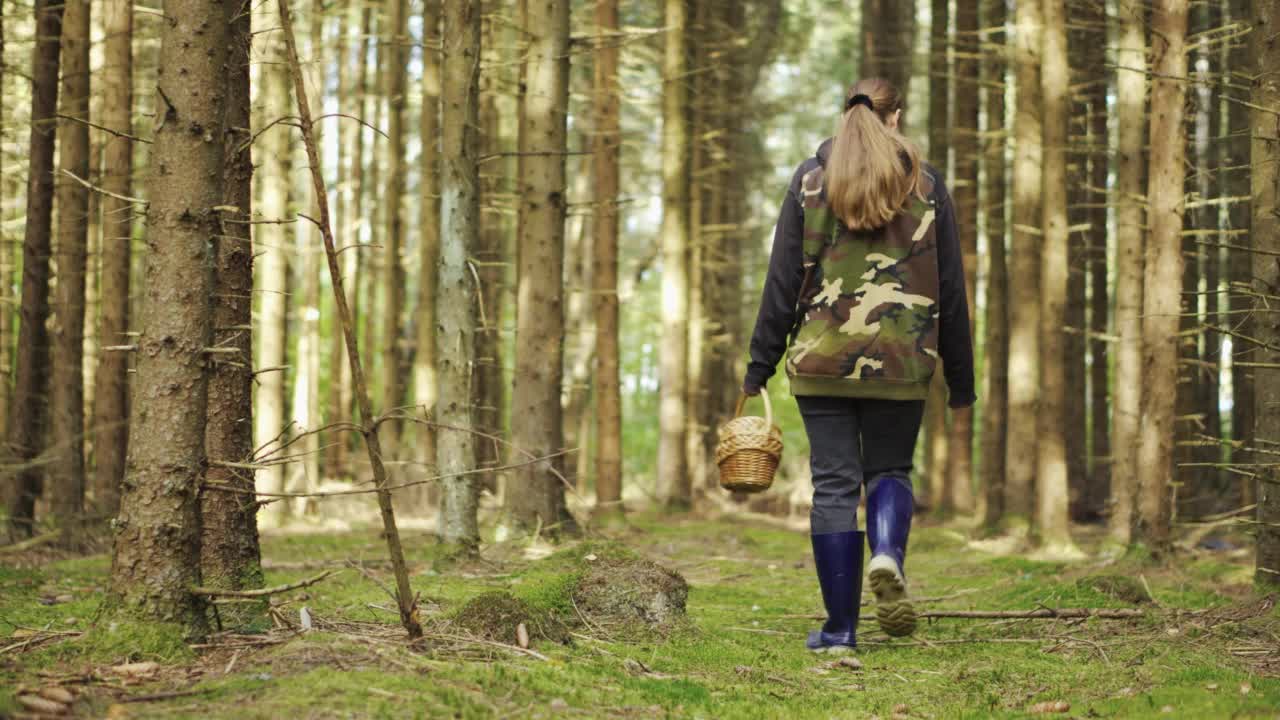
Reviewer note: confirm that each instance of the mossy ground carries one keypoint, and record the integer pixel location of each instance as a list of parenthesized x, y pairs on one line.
[(740, 655)]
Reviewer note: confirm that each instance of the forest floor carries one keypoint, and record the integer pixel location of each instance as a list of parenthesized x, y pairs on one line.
[(1206, 648)]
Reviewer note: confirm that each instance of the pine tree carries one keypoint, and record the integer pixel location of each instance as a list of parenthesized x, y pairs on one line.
[(455, 293), (229, 553), (64, 482), (1052, 523), (1131, 93), (606, 96), (1162, 300), (1024, 268), (28, 413), (110, 424), (995, 402), (157, 543), (271, 276), (673, 488), (1265, 51)]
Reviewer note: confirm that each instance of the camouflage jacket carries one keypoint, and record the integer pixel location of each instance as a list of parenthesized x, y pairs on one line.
[(880, 307)]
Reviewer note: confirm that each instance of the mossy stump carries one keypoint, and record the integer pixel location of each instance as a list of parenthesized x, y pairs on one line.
[(1120, 587), (498, 615), (630, 594)]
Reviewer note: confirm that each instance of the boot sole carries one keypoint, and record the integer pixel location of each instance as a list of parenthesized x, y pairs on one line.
[(896, 614), (834, 650)]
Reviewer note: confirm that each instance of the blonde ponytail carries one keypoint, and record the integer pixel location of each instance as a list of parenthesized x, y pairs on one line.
[(873, 170)]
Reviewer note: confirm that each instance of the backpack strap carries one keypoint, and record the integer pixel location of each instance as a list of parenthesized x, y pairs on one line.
[(820, 230)]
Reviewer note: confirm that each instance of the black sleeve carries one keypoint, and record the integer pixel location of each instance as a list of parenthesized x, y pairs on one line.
[(777, 315), (955, 338)]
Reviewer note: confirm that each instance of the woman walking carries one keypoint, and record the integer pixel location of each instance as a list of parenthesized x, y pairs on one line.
[(865, 294)]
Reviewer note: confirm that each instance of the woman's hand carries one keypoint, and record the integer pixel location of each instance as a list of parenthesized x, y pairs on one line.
[(750, 389)]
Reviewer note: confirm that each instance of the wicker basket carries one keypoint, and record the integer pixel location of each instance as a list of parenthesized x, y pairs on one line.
[(749, 450)]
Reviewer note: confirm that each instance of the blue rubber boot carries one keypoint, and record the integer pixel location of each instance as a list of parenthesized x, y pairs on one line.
[(838, 558), (889, 508)]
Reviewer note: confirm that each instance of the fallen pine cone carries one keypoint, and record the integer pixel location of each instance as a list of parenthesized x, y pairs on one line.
[(1054, 706)]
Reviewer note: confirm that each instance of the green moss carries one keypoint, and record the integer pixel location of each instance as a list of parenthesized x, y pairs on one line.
[(742, 656), (1121, 587), (496, 616), (120, 641)]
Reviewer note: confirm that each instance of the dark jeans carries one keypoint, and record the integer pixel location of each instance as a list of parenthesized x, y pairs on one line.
[(851, 441)]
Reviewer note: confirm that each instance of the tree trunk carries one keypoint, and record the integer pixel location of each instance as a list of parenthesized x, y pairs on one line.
[(1265, 50), (7, 188), (937, 434), (1131, 92), (339, 373), (965, 195), (1240, 262), (28, 416), (229, 553), (111, 397), (357, 261), (455, 294), (1074, 418), (536, 495), (422, 438), (607, 115), (1024, 271), (888, 34), (489, 390), (1162, 302), (395, 40), (1098, 485), (995, 404), (64, 481), (157, 544), (273, 278), (673, 485), (1051, 518)]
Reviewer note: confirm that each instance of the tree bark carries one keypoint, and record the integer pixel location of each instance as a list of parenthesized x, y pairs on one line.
[(395, 40), (110, 425), (536, 495), (673, 485), (1162, 302), (1265, 50), (28, 416), (1240, 262), (157, 543), (7, 187), (489, 383), (455, 294), (1099, 468), (1051, 518), (937, 433), (888, 35), (1024, 271), (965, 195), (607, 116), (230, 558), (273, 278), (995, 403), (422, 438), (1074, 414), (1129, 198), (64, 481)]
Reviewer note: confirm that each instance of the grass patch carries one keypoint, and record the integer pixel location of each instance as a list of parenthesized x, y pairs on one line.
[(740, 655)]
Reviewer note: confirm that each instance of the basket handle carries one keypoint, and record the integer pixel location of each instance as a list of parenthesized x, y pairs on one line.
[(768, 407)]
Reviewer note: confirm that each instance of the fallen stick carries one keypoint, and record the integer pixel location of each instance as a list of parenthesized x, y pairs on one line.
[(1043, 613), (153, 697), (263, 592), (493, 643), (29, 543), (1040, 614), (405, 599)]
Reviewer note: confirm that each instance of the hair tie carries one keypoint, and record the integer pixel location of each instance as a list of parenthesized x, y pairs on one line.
[(860, 99)]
